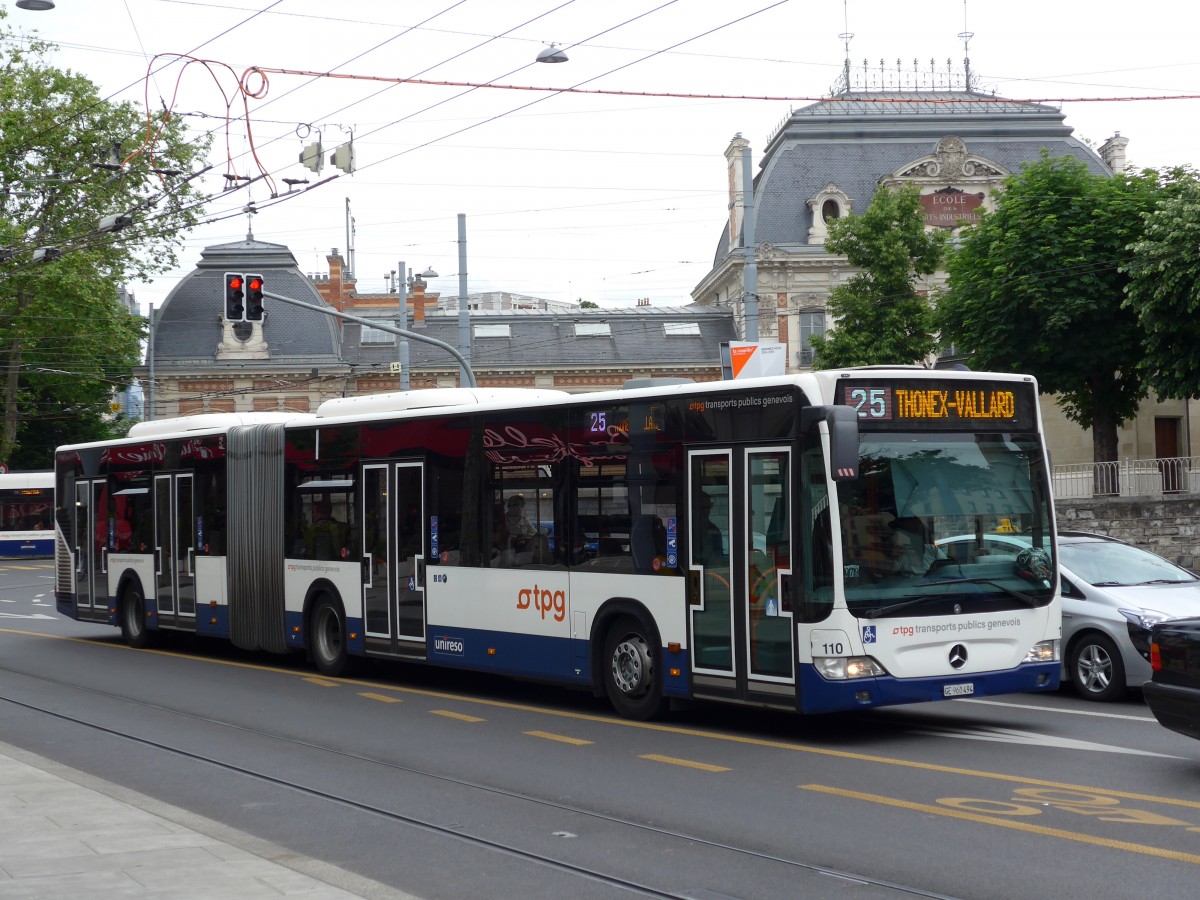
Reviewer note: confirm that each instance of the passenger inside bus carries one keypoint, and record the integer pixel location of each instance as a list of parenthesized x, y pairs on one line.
[(325, 537), (709, 547)]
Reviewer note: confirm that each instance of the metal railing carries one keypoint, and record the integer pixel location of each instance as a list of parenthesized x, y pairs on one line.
[(1128, 478)]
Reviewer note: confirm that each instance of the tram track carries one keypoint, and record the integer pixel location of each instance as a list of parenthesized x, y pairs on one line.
[(456, 833)]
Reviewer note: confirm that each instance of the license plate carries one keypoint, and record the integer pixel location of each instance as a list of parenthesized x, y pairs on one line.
[(957, 690)]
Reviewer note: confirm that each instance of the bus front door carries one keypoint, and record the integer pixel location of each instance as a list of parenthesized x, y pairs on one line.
[(743, 631), (90, 545), (394, 537), (174, 551)]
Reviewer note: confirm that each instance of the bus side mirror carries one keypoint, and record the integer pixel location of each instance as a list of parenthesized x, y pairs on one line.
[(843, 437)]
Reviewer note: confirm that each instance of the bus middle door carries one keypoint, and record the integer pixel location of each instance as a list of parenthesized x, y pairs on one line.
[(394, 557)]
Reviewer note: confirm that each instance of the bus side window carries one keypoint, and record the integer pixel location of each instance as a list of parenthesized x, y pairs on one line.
[(526, 528)]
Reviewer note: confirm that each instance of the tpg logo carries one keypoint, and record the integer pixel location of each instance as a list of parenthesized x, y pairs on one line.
[(553, 602)]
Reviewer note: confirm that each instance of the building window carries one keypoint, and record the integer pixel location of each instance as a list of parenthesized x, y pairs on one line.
[(377, 336), (811, 325), (830, 210), (677, 329), (592, 329), (493, 330)]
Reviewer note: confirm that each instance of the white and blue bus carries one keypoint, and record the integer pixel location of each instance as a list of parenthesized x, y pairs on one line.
[(27, 514), (744, 541)]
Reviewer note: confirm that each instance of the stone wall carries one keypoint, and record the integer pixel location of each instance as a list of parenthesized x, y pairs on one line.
[(1169, 527)]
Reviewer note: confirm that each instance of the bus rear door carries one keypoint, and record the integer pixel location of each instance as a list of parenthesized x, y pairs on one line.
[(174, 551), (90, 540)]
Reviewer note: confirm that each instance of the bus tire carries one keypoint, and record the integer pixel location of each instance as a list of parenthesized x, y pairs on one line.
[(133, 617), (632, 671), (327, 630)]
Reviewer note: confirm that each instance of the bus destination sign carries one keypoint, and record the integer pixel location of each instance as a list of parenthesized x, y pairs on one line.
[(948, 404)]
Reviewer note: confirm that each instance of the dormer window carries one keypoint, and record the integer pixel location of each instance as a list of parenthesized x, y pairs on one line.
[(830, 204)]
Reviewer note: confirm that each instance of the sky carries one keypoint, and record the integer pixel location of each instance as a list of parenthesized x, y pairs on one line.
[(570, 195)]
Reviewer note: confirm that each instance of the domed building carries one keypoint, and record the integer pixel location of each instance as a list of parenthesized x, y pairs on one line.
[(956, 144)]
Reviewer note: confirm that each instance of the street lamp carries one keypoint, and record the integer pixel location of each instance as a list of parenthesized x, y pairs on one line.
[(551, 54), (35, 5)]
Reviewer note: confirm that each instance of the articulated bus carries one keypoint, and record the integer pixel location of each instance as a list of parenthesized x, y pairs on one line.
[(27, 514), (769, 541)]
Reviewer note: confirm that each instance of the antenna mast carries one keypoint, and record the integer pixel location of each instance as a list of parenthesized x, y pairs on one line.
[(966, 36)]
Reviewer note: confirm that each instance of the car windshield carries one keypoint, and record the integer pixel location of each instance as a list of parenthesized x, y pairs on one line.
[(918, 492), (1111, 563)]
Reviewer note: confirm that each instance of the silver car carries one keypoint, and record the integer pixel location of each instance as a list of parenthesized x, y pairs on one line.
[(1112, 593)]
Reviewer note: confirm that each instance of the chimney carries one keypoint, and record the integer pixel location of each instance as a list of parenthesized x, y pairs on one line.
[(1112, 152), (737, 200), (337, 290)]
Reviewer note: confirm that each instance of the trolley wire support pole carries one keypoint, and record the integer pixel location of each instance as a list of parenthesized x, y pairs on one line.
[(468, 374)]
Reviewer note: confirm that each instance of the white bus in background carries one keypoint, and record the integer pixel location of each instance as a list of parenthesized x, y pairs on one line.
[(27, 514)]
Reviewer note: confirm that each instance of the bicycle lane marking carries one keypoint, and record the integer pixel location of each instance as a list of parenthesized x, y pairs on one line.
[(962, 808)]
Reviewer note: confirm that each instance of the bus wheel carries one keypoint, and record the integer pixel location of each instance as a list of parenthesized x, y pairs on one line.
[(328, 636), (632, 674), (133, 617)]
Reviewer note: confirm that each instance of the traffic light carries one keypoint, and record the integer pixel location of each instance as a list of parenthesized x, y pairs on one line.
[(235, 296), (254, 298), (343, 158), (312, 156)]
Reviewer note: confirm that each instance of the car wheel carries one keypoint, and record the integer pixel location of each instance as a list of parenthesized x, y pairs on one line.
[(1096, 669)]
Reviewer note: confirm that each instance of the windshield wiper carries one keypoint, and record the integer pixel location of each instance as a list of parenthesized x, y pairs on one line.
[(1028, 599), (1159, 581), (915, 601)]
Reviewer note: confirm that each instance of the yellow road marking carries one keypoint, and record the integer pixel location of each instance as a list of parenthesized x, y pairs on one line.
[(382, 698), (320, 682), (647, 726), (1007, 823), (561, 738), (462, 717), (691, 764)]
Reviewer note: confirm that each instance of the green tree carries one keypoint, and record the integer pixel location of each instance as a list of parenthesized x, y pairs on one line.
[(1037, 287), (68, 159), (880, 316), (1164, 289)]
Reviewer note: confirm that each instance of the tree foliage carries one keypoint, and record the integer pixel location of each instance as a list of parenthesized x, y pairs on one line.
[(1164, 289), (68, 158), (880, 316), (1037, 287)]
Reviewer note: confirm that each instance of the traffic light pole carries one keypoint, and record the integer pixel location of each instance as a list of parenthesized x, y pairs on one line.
[(468, 374)]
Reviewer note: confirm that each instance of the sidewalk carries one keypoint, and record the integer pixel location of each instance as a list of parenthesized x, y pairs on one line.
[(65, 835)]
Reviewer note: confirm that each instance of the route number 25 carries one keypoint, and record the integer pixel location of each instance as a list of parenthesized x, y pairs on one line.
[(869, 402)]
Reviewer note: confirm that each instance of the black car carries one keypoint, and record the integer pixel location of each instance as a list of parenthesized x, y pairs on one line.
[(1173, 693)]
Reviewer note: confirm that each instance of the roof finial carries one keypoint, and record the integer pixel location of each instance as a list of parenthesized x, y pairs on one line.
[(250, 210)]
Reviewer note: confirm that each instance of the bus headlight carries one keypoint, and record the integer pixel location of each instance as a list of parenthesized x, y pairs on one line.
[(1043, 652), (845, 668)]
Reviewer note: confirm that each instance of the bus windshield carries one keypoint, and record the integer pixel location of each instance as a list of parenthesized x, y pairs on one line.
[(963, 519)]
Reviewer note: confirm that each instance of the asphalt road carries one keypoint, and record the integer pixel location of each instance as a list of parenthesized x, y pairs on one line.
[(449, 785)]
